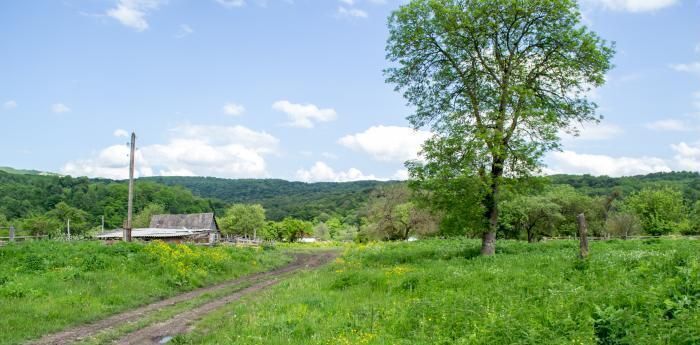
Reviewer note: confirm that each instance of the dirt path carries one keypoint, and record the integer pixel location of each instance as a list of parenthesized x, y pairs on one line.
[(181, 323)]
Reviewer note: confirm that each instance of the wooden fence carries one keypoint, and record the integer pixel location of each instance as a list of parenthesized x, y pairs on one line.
[(609, 238)]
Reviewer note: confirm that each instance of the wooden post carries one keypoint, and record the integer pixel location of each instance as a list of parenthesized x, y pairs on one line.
[(130, 206), (12, 233), (583, 235), (68, 226)]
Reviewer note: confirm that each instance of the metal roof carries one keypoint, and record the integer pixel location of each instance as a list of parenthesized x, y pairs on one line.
[(154, 233)]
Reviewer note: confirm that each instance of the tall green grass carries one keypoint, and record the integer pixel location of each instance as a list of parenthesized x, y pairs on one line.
[(46, 285), (442, 292)]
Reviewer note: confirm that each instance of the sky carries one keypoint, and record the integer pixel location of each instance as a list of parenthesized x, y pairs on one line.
[(294, 89)]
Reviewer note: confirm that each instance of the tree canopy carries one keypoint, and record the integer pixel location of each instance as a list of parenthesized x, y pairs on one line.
[(496, 81)]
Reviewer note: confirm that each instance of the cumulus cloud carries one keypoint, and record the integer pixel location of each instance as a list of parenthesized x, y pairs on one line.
[(304, 115), (11, 104), (233, 109), (132, 13), (59, 108), (321, 172), (570, 162), (387, 143), (632, 5), (668, 125), (120, 133), (224, 151), (693, 67), (687, 156), (351, 12)]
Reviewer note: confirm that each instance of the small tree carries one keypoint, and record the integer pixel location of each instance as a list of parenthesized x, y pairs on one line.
[(295, 229), (532, 215), (143, 218), (243, 219), (64, 212), (623, 225), (660, 210), (42, 224)]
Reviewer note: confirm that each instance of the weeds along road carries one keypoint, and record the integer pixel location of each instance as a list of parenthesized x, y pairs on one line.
[(143, 325)]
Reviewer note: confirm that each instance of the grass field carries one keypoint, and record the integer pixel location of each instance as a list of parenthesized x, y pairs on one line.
[(47, 285), (442, 292)]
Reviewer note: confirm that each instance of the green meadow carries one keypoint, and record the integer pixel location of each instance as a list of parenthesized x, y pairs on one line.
[(443, 292), (49, 285)]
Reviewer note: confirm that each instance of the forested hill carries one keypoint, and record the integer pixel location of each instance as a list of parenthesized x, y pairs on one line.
[(686, 182), (281, 198)]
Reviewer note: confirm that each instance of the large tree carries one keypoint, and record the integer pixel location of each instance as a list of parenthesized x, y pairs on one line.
[(496, 80), (243, 219)]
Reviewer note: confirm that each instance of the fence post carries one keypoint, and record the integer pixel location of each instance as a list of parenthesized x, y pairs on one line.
[(12, 233), (583, 235)]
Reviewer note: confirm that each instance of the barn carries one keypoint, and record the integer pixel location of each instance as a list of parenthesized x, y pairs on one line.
[(176, 228)]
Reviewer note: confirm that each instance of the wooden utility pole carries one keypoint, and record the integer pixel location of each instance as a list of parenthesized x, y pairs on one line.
[(583, 235), (130, 207)]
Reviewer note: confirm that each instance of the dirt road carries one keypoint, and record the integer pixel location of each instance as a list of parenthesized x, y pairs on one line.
[(181, 323)]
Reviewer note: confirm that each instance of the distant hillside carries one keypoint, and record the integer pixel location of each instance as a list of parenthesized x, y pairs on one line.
[(279, 197), (27, 172), (685, 181)]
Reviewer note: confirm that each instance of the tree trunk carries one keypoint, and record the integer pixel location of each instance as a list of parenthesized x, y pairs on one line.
[(488, 238), (530, 236)]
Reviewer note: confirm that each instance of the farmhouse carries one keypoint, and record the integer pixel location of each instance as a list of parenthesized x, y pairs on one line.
[(177, 228)]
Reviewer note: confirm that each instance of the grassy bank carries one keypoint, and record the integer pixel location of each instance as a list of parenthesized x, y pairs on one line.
[(442, 292), (47, 286)]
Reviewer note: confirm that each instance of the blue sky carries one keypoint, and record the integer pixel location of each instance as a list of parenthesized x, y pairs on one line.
[(295, 90)]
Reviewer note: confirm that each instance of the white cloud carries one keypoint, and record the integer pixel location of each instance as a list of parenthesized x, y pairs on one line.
[(224, 151), (59, 108), (320, 171), (351, 12), (304, 115), (185, 30), (11, 104), (348, 2), (132, 13), (231, 3), (233, 109), (687, 156), (594, 132), (387, 143), (668, 125), (120, 133), (570, 162), (632, 5), (693, 67), (401, 175)]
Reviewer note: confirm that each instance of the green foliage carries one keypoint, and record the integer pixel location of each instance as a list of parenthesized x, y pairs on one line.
[(46, 286), (293, 229), (391, 215), (281, 198), (243, 220), (441, 292), (41, 224), (661, 211), (496, 81), (143, 218), (27, 196)]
